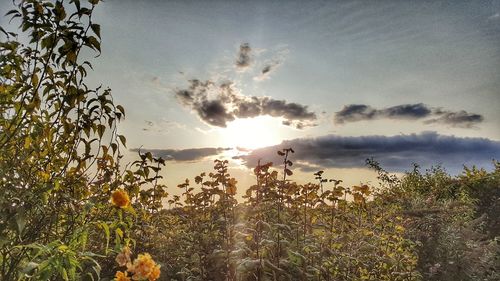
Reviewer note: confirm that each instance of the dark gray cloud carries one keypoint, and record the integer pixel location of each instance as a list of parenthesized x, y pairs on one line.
[(461, 118), (361, 112), (243, 59), (281, 108), (218, 104), (266, 69), (214, 112), (354, 112), (395, 153), (184, 155), (406, 111)]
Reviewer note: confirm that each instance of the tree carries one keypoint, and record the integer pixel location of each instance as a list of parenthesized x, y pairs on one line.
[(59, 147)]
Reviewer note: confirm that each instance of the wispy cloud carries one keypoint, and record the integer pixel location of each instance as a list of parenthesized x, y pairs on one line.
[(461, 119), (267, 70), (162, 126), (243, 59), (395, 153), (362, 112), (219, 104), (270, 65), (494, 16), (184, 155)]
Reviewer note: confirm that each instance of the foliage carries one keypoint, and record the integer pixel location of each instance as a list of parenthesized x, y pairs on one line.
[(60, 150), (282, 231), (420, 226)]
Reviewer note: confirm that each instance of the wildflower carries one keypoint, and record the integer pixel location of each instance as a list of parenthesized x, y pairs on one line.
[(155, 274), (120, 198), (144, 268), (121, 276), (123, 258)]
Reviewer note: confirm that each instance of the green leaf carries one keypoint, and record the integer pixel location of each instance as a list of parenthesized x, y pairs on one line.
[(64, 274), (71, 57), (97, 29), (123, 140), (100, 130), (3, 31), (59, 11), (34, 80), (27, 142), (119, 232), (121, 109), (94, 43), (107, 232), (114, 147)]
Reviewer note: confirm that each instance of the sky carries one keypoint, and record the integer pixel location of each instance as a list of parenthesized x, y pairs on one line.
[(338, 81)]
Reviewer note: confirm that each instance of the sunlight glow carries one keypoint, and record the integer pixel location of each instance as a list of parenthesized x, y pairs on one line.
[(252, 133)]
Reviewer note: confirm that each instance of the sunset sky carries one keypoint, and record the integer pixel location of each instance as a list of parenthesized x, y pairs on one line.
[(338, 81)]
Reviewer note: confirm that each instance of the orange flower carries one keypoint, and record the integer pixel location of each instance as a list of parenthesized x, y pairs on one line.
[(120, 198), (155, 274), (144, 267), (121, 276), (123, 258)]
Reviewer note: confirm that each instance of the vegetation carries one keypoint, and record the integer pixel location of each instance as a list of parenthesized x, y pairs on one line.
[(70, 211), (60, 152), (422, 226)]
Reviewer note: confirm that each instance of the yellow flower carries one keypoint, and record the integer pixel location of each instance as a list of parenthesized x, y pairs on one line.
[(144, 267), (155, 274), (121, 276), (120, 198), (123, 258)]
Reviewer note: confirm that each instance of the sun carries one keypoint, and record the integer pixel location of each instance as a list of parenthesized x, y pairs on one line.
[(252, 133)]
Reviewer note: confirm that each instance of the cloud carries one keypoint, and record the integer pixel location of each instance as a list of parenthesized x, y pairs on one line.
[(270, 65), (281, 108), (359, 112), (266, 71), (184, 155), (395, 153), (354, 112), (218, 104), (243, 60), (461, 119), (217, 101), (214, 112), (494, 16), (362, 112), (407, 111), (162, 126)]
